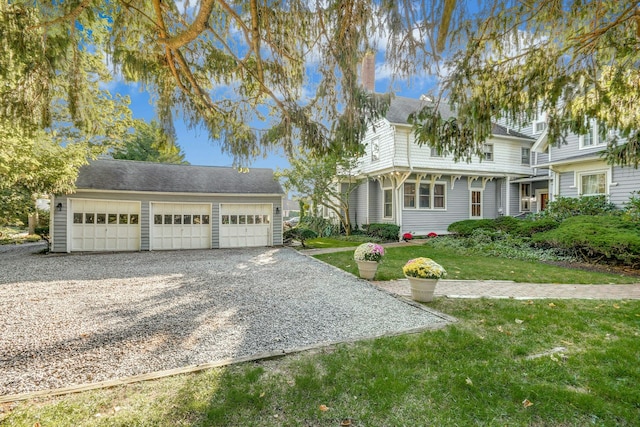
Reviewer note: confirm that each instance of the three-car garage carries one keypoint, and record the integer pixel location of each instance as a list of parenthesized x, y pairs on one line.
[(131, 206)]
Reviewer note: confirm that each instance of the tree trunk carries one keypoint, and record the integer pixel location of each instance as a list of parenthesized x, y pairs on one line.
[(33, 216), (33, 222)]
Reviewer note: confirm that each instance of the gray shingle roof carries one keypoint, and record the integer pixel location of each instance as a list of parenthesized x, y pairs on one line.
[(401, 107), (127, 175)]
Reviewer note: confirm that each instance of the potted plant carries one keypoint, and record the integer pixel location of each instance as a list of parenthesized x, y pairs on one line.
[(423, 274), (367, 256)]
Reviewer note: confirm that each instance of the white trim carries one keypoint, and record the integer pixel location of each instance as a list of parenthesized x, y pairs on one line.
[(384, 203), (578, 181), (431, 183), (539, 192)]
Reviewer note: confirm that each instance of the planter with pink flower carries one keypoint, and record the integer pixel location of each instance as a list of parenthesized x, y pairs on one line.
[(367, 256), (423, 275)]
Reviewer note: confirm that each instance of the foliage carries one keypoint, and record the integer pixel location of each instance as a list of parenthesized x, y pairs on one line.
[(384, 232), (631, 210), (149, 143), (605, 239), (324, 227), (328, 181), (516, 60), (424, 268), (565, 207), (300, 234), (466, 227), (224, 67), (369, 252)]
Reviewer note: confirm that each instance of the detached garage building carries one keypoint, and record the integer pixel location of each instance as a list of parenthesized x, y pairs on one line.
[(122, 205)]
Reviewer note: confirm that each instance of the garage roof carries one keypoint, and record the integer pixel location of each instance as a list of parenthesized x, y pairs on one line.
[(128, 175)]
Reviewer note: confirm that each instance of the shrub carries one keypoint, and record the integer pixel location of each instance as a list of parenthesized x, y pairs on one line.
[(384, 232), (529, 227), (468, 226), (632, 208), (566, 207), (602, 238), (508, 224), (322, 226), (300, 234)]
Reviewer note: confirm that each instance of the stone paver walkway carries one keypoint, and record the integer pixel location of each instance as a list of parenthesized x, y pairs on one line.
[(508, 289), (502, 288)]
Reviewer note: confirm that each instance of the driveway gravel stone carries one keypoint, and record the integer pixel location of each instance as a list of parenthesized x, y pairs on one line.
[(84, 318)]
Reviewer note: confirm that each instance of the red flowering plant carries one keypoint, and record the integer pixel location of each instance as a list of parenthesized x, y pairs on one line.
[(432, 234), (407, 236)]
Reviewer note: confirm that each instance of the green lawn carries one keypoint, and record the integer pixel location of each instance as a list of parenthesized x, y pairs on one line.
[(328, 242), (493, 367), (475, 267)]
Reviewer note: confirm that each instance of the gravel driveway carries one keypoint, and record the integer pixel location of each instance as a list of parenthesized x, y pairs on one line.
[(76, 319)]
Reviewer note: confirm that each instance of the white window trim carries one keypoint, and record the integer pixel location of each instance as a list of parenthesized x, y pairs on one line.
[(416, 196), (484, 152), (384, 189), (597, 141), (431, 196), (607, 181), (481, 191), (522, 157)]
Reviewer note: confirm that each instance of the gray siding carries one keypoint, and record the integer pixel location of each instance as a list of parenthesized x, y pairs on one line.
[(375, 202), (59, 225), (567, 185), (358, 206), (514, 200), (60, 218), (145, 224), (627, 180)]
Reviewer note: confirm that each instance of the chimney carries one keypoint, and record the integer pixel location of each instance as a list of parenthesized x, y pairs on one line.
[(368, 71)]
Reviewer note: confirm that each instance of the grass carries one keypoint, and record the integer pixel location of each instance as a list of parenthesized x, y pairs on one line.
[(476, 267), (492, 367)]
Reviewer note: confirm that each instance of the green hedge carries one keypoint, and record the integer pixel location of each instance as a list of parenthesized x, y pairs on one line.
[(567, 207), (596, 239), (384, 232)]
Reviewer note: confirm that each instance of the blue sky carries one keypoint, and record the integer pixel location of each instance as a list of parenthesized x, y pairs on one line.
[(200, 151)]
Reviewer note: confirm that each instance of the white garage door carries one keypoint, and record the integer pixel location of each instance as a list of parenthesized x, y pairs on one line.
[(105, 225), (180, 226), (245, 225)]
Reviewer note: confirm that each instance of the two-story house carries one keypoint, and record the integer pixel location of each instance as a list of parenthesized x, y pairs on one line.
[(422, 192)]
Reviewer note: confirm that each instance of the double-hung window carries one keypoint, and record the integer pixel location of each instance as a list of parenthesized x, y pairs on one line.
[(424, 196), (487, 151), (409, 195), (591, 138), (593, 184), (388, 203), (525, 154)]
